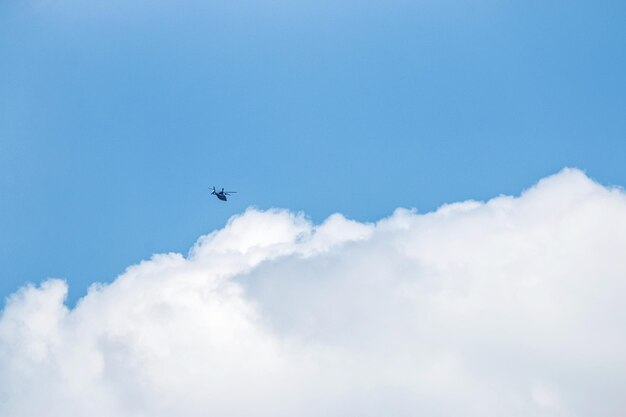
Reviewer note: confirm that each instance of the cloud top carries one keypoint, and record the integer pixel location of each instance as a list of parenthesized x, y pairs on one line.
[(507, 307)]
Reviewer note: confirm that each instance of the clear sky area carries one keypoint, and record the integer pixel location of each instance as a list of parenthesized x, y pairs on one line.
[(117, 117)]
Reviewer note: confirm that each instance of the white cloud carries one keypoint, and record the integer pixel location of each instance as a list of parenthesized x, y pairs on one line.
[(511, 307)]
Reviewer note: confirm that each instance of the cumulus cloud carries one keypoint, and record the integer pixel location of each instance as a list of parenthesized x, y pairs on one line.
[(510, 307)]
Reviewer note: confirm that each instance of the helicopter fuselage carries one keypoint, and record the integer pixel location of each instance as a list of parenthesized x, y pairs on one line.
[(221, 194)]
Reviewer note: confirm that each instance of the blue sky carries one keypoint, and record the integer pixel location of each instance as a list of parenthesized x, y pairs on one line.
[(116, 119)]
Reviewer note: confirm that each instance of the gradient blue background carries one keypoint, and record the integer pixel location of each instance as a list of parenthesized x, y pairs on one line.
[(116, 117)]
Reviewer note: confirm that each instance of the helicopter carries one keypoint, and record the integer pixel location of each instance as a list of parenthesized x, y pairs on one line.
[(222, 194)]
